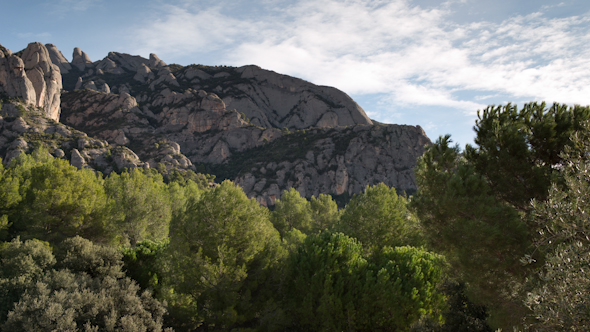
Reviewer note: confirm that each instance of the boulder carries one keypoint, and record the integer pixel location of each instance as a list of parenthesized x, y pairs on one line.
[(77, 159)]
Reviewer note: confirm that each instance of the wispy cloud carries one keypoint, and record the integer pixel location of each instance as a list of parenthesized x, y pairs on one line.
[(30, 36), (417, 56), (62, 8)]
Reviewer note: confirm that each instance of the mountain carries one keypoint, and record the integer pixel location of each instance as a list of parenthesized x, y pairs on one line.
[(266, 131)]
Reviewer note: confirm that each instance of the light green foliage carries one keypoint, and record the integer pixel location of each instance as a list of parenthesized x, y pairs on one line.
[(333, 287), (180, 192), (83, 290), (141, 204), (379, 217), (293, 239), (324, 212), (559, 300), (292, 211), (295, 212), (221, 250), (59, 200)]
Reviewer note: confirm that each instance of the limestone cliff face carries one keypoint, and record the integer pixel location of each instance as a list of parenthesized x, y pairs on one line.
[(266, 131), (33, 77), (339, 161)]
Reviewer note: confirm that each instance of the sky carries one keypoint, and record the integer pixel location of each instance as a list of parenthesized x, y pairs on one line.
[(415, 62)]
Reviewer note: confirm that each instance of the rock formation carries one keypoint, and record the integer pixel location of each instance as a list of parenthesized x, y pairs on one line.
[(80, 59), (33, 78), (45, 77), (60, 140), (13, 77), (58, 59), (266, 131)]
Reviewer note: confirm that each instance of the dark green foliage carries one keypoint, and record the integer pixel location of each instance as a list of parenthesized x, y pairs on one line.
[(476, 207), (559, 296), (516, 149), (22, 265), (379, 217), (84, 289), (333, 287), (143, 263), (322, 281), (482, 237), (79, 255), (461, 315)]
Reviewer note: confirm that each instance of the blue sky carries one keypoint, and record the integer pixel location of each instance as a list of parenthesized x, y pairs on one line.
[(417, 62)]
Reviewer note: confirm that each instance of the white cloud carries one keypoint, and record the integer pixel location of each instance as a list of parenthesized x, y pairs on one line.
[(414, 55)]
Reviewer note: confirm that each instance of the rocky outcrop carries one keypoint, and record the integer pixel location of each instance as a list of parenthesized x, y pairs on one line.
[(18, 133), (13, 77), (33, 78), (155, 62), (45, 77), (58, 59), (81, 60), (181, 116)]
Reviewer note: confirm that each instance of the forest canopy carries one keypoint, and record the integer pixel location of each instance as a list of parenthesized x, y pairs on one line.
[(495, 237)]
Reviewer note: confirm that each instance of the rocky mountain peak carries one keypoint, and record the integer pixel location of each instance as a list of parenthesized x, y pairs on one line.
[(155, 62), (58, 59), (33, 78), (80, 59)]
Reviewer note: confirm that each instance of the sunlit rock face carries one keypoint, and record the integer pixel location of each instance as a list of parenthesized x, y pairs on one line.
[(32, 77)]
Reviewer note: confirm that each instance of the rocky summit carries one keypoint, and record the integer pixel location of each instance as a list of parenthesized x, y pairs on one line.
[(266, 131)]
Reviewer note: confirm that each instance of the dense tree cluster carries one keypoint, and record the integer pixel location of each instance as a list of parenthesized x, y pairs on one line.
[(137, 252), (497, 235), (509, 213)]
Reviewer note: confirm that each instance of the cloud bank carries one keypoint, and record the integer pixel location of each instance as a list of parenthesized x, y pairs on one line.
[(415, 56)]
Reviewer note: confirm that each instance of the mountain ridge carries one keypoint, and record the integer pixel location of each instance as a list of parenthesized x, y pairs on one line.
[(218, 119)]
